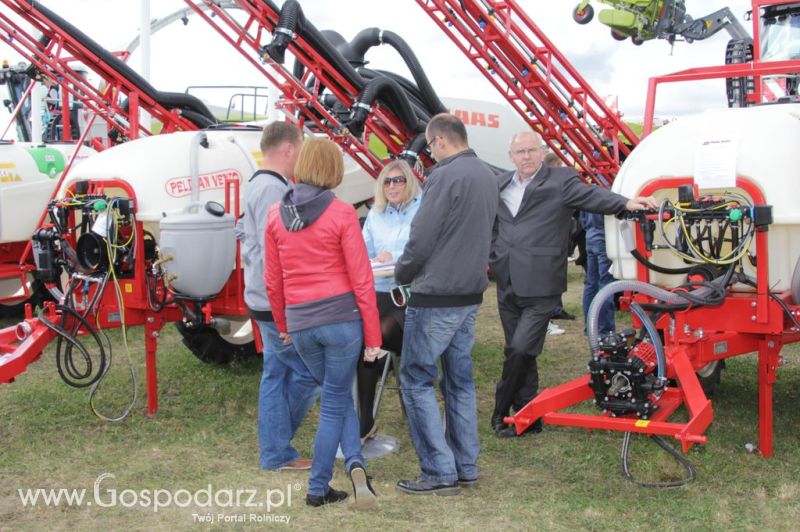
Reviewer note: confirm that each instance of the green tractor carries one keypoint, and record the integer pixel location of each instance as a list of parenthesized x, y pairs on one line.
[(643, 20)]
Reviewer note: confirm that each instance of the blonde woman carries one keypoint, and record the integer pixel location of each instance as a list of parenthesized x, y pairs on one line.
[(397, 197), (319, 282)]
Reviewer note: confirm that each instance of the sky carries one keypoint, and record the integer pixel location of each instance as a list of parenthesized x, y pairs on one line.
[(195, 55)]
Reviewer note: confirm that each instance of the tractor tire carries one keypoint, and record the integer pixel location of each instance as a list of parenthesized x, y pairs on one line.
[(583, 16), (637, 41), (739, 51), (618, 36), (709, 376), (207, 344)]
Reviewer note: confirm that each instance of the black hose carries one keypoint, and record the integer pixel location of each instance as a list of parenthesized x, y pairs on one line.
[(413, 149), (691, 473), (374, 37), (412, 93), (292, 20), (390, 92), (65, 363), (655, 267)]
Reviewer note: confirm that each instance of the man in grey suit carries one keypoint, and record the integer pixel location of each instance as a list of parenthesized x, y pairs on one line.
[(529, 260)]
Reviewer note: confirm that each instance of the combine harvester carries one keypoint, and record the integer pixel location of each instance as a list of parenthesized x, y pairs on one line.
[(713, 274)]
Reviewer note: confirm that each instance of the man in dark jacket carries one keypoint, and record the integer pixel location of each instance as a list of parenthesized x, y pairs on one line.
[(445, 262), (529, 260)]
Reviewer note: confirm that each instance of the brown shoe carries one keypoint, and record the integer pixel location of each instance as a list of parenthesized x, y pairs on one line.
[(298, 464)]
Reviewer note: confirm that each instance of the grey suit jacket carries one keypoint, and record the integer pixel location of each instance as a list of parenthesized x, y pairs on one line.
[(529, 250)]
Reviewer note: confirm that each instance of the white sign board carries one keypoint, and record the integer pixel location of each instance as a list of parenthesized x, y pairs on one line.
[(715, 162)]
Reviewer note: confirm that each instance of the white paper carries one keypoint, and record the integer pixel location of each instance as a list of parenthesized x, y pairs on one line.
[(715, 162)]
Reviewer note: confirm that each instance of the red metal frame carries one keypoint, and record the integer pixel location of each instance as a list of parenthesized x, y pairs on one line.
[(746, 322), (250, 38), (135, 307), (755, 68), (53, 60), (520, 61)]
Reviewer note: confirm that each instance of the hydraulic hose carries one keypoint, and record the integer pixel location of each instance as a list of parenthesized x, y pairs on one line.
[(374, 37), (292, 20), (593, 315), (413, 149), (389, 91)]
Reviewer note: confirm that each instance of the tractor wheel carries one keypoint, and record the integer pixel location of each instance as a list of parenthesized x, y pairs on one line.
[(739, 51), (709, 376), (637, 41), (209, 346), (583, 16), (618, 36)]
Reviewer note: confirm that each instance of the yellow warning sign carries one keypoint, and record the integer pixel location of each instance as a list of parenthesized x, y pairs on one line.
[(642, 423)]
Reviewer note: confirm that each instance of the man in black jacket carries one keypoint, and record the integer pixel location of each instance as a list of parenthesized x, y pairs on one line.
[(529, 259), (445, 262)]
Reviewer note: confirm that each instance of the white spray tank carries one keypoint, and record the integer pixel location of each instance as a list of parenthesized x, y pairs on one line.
[(28, 174), (765, 140), (199, 243)]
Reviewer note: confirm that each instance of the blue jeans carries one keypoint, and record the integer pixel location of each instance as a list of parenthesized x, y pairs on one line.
[(286, 393), (428, 334), (597, 276), (331, 352)]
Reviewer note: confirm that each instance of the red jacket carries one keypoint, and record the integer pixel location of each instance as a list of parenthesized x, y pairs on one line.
[(326, 259)]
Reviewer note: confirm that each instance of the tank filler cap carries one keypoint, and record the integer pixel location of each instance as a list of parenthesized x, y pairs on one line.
[(214, 208)]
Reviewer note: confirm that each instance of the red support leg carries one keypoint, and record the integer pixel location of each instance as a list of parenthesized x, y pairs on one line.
[(151, 329), (768, 362)]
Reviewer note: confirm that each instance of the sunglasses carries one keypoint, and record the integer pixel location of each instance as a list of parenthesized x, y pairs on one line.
[(397, 180)]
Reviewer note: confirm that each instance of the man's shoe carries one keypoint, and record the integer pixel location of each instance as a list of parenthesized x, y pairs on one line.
[(511, 430), (365, 497), (468, 482), (298, 464), (562, 315), (554, 330), (424, 487), (329, 498)]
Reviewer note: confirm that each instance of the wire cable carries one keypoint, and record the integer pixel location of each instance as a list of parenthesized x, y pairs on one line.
[(691, 473)]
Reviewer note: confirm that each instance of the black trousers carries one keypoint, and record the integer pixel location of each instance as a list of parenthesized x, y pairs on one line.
[(368, 373), (524, 322)]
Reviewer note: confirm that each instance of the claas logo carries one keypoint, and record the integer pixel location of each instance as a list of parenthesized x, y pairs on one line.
[(476, 118)]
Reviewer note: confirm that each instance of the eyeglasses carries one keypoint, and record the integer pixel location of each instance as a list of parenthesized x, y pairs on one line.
[(430, 143), (527, 151), (397, 180)]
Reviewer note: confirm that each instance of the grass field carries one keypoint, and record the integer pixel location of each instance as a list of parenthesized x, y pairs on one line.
[(205, 434)]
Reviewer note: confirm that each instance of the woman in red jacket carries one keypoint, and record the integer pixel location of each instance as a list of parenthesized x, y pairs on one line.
[(319, 282)]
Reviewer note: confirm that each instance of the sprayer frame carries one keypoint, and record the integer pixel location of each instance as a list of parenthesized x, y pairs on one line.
[(746, 322), (21, 346)]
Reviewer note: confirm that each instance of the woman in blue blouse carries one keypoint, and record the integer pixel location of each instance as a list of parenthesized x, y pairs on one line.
[(397, 197)]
